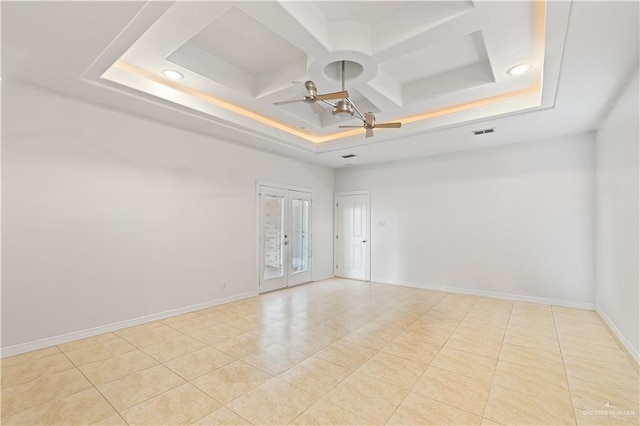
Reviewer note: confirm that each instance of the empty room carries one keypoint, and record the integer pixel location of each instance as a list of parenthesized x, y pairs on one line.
[(320, 212)]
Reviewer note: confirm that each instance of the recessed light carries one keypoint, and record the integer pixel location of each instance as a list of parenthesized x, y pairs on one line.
[(172, 74), (519, 69)]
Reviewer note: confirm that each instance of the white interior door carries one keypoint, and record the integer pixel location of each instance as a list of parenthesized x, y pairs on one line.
[(285, 238), (352, 236)]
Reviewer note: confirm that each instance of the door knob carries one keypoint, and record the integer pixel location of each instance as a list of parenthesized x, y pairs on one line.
[(364, 241)]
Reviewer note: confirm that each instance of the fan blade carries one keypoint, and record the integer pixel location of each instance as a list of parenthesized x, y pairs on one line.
[(288, 102), (316, 107), (336, 95), (369, 133), (350, 127), (389, 125)]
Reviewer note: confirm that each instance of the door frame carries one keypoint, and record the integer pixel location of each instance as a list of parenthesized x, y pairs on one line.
[(367, 193), (286, 187)]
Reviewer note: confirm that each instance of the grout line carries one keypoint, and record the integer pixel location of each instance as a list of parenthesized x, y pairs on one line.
[(498, 360), (96, 388), (566, 376)]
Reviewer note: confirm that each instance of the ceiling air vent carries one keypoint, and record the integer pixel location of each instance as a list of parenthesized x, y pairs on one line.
[(348, 156), (482, 132)]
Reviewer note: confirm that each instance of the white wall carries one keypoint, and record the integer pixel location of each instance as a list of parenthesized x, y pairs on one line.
[(516, 219), (617, 215), (108, 217)]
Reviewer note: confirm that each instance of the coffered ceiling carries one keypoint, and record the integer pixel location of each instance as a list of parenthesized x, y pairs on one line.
[(438, 67)]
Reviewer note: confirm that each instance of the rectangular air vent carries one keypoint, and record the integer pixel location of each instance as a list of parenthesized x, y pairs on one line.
[(348, 156), (482, 132)]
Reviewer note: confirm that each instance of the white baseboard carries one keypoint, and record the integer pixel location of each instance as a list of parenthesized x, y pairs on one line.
[(81, 334), (625, 342), (497, 295)]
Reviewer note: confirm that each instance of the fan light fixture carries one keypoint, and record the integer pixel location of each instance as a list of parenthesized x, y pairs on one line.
[(519, 69), (172, 74), (342, 110)]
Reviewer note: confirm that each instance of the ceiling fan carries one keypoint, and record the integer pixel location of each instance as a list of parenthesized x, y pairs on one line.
[(312, 97), (344, 108), (370, 124)]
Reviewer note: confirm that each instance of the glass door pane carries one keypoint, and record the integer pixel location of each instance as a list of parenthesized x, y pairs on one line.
[(299, 235), (273, 228)]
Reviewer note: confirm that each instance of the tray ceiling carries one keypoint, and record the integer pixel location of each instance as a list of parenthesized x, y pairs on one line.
[(428, 64)]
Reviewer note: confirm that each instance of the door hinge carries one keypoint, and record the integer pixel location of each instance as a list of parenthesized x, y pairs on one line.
[(336, 204), (336, 237)]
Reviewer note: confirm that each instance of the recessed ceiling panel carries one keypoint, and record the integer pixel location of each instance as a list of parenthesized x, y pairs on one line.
[(364, 12), (241, 41), (436, 59)]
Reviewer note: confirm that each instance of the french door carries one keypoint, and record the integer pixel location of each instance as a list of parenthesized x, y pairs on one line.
[(352, 235), (285, 238)]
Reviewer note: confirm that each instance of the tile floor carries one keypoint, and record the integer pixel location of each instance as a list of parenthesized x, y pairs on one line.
[(335, 352)]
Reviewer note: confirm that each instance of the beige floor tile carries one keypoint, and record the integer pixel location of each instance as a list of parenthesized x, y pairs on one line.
[(115, 420), (367, 339), (228, 382), (274, 333), (454, 389), (85, 407), (83, 343), (41, 390), (182, 405), (392, 369), (435, 334), (309, 342), (412, 348), (149, 334), (99, 351), (510, 407), (530, 357), (23, 372), (531, 340), (420, 410), (598, 396), (222, 416), (346, 354), (542, 384), (620, 375), (190, 324), (137, 387), (487, 422), (118, 366), (242, 345), (465, 363), (324, 412), (251, 323), (198, 363), (366, 397), (273, 402), (605, 341), (216, 334), (275, 359), (315, 375), (476, 342), (595, 352), (29, 356), (173, 348)]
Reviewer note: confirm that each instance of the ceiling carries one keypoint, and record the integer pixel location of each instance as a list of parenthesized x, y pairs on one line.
[(439, 67)]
